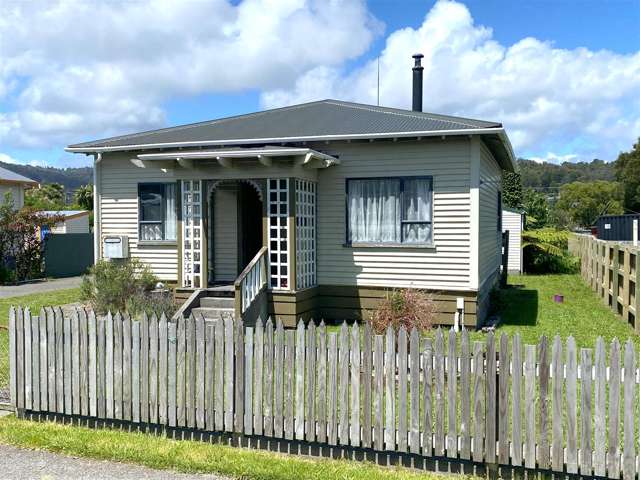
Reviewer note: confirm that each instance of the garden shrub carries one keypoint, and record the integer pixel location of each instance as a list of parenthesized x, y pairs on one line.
[(21, 241), (546, 251), (158, 302), (408, 307), (122, 286)]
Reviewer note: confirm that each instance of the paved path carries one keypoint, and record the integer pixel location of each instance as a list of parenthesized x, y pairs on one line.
[(40, 287), (19, 464)]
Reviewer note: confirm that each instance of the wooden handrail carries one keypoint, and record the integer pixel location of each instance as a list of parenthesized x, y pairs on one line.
[(249, 267)]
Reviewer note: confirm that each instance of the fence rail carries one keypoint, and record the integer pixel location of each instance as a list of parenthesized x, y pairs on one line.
[(548, 406), (612, 271)]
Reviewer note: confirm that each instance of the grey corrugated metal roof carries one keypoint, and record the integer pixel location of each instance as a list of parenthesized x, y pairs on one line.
[(324, 118), (9, 176)]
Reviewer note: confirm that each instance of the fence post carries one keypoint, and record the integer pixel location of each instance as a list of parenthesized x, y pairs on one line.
[(13, 377), (615, 272)]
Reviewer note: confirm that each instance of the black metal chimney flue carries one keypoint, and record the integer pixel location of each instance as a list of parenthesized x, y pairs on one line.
[(417, 83)]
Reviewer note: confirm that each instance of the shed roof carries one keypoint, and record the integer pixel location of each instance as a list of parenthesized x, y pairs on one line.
[(7, 176), (67, 214), (320, 120)]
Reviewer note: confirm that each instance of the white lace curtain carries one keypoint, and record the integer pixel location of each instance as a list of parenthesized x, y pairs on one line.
[(390, 210)]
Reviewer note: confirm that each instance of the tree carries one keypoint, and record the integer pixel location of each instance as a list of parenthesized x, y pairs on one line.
[(627, 168), (21, 241), (584, 202), (48, 197), (536, 209), (512, 190), (83, 197)]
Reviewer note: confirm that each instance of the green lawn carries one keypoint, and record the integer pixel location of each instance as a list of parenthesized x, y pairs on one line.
[(191, 456), (36, 301), (527, 307)]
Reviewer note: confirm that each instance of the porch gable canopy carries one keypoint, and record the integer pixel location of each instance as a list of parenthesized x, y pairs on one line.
[(305, 157)]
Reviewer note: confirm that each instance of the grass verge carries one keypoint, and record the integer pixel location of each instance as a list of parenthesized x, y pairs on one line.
[(191, 456), (36, 301)]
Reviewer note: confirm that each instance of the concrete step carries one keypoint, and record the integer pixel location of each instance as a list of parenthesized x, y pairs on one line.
[(213, 313), (217, 302)]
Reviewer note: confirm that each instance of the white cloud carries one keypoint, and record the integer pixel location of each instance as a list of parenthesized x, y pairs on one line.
[(586, 102), (6, 158), (71, 69)]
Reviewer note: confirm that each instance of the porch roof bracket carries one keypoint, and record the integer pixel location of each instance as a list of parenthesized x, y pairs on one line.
[(314, 159), (185, 163), (158, 165), (225, 162), (265, 160)]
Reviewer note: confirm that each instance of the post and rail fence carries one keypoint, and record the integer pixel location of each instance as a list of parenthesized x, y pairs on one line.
[(612, 271), (549, 407)]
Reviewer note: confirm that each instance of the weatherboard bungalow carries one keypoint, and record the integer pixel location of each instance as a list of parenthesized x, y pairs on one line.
[(313, 210)]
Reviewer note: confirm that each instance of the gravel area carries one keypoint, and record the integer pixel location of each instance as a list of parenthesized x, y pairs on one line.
[(16, 463)]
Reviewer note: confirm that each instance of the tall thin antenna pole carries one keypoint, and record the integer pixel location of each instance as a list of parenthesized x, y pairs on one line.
[(378, 80)]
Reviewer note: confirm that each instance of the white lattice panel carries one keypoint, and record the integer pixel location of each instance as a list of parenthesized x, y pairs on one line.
[(305, 234), (278, 198), (192, 233)]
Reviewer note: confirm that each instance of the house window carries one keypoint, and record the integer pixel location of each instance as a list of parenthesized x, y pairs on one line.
[(390, 210), (157, 211)]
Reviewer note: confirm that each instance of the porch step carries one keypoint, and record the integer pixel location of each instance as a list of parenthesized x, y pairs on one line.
[(217, 302), (213, 313)]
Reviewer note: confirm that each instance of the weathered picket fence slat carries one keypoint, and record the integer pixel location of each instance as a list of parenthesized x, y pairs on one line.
[(547, 406)]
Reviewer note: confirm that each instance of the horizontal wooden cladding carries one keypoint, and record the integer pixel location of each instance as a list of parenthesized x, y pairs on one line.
[(292, 305), (339, 314), (340, 302), (448, 163)]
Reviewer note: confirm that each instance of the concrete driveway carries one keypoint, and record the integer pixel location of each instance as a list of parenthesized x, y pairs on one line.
[(16, 463), (40, 287)]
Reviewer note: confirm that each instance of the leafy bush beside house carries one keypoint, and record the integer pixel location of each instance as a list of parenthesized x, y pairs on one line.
[(124, 287), (22, 242)]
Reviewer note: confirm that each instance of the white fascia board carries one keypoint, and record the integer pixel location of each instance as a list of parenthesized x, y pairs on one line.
[(257, 153), (348, 136)]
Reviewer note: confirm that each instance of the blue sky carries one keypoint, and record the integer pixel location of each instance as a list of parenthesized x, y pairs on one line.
[(58, 91)]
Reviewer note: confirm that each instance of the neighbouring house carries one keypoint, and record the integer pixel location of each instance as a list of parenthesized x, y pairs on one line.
[(513, 222), (14, 184), (623, 228), (74, 221), (315, 210)]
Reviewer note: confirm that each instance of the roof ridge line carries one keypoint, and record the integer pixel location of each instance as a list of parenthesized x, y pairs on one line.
[(379, 109)]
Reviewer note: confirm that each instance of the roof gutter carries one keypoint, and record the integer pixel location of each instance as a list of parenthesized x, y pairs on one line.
[(96, 209), (310, 138)]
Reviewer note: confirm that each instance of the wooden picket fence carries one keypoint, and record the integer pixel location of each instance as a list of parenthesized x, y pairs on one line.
[(612, 271), (547, 406)]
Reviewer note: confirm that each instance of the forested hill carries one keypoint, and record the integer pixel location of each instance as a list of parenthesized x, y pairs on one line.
[(545, 175), (70, 178)]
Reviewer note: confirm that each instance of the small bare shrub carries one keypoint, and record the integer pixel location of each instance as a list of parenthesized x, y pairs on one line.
[(407, 307)]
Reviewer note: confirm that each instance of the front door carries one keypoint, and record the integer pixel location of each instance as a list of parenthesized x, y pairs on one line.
[(225, 232), (237, 231)]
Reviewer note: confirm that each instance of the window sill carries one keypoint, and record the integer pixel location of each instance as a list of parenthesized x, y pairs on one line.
[(157, 243), (424, 246)]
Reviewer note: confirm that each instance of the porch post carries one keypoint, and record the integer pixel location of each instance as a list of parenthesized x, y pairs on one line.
[(292, 234)]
